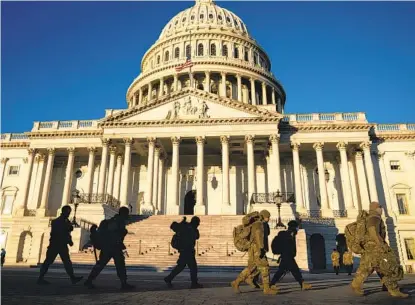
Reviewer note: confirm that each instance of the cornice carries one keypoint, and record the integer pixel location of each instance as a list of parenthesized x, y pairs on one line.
[(66, 134), (380, 138), (337, 127), (14, 145)]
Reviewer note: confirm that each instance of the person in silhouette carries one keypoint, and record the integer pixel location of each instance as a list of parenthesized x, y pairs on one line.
[(112, 232), (3, 256), (188, 235), (287, 258), (60, 238)]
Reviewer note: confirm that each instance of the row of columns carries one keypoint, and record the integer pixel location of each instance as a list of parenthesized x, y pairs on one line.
[(346, 182), (138, 96)]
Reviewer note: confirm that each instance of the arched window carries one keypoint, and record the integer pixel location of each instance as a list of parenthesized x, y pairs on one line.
[(236, 52), (200, 86), (255, 58), (177, 52), (225, 50), (188, 50), (158, 59), (214, 88), (166, 56), (200, 49), (213, 49), (246, 55)]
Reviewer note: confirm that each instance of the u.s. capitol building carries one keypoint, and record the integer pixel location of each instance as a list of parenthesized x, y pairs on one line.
[(204, 132)]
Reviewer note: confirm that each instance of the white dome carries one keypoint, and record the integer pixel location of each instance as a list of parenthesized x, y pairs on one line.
[(204, 14)]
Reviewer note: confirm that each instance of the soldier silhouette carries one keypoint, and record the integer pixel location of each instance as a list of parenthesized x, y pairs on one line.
[(187, 233), (112, 233), (60, 238)]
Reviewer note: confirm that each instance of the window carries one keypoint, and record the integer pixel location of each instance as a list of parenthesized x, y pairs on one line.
[(177, 53), (7, 204), (225, 51), (236, 52), (402, 204), (213, 49), (188, 50), (166, 56), (201, 16), (210, 16), (184, 19), (200, 49), (410, 248), (228, 19), (13, 170), (220, 17), (255, 58), (192, 18), (158, 59), (395, 165), (246, 55)]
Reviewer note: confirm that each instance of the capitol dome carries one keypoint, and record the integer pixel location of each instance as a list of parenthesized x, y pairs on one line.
[(209, 48)]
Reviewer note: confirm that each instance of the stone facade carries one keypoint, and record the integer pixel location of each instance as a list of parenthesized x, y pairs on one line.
[(214, 141)]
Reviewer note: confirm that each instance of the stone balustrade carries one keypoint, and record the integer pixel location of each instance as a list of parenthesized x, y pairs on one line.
[(8, 137), (326, 117), (394, 127), (65, 125)]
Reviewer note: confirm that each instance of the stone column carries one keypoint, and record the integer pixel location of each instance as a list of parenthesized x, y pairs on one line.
[(249, 139), (253, 92), (111, 169), (200, 208), (91, 169), (135, 99), (161, 87), (156, 178), (264, 94), (347, 191), (26, 186), (2, 168), (318, 147), (223, 84), (37, 194), (175, 170), (140, 96), (68, 177), (239, 82), (176, 83), (103, 167), (275, 139), (48, 180), (148, 195), (370, 172), (225, 170), (279, 105), (361, 178), (273, 96), (150, 89), (126, 172), (207, 81), (297, 176), (117, 179), (160, 183)]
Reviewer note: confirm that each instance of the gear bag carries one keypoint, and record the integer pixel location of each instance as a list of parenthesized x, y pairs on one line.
[(97, 234), (355, 233), (242, 233)]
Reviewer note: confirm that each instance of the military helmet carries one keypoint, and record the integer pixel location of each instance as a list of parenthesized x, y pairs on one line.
[(293, 224), (265, 214)]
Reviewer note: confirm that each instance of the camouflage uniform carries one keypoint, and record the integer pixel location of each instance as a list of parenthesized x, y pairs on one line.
[(257, 260), (378, 256), (348, 261)]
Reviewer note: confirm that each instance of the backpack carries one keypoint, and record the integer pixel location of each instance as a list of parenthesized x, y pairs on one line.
[(278, 243), (179, 230), (242, 233), (97, 234), (355, 233)]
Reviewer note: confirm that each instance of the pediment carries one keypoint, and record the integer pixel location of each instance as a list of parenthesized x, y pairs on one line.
[(191, 105)]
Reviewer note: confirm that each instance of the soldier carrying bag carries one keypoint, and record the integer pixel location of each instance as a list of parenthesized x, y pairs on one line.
[(355, 233), (242, 233)]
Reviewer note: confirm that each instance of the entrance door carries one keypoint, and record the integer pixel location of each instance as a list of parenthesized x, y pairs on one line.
[(318, 252), (189, 203)]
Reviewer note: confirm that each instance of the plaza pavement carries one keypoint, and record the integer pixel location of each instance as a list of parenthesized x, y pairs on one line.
[(18, 287)]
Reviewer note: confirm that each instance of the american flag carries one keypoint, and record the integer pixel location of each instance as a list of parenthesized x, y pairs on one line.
[(187, 64)]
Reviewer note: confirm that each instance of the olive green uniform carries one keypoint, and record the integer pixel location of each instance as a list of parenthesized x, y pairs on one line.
[(335, 260), (348, 261)]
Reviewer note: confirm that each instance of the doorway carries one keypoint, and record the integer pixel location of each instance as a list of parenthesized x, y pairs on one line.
[(189, 202), (318, 252)]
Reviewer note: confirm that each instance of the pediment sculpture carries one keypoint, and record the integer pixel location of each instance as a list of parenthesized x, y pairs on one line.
[(189, 108)]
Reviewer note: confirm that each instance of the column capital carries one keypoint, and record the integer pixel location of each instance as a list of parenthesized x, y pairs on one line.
[(295, 146), (224, 139), (105, 142), (223, 74), (128, 141), (410, 154), (113, 149), (341, 145), (40, 157), (51, 151), (119, 156), (252, 79), (31, 151), (274, 138), (318, 146), (4, 160), (175, 140), (249, 139), (263, 84), (71, 150), (365, 145), (207, 72), (92, 149), (200, 140), (157, 150), (151, 140), (238, 75), (358, 154)]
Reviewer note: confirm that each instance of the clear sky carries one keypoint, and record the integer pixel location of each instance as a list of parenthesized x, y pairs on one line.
[(72, 60)]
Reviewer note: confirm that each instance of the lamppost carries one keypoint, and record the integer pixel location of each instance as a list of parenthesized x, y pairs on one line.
[(75, 196), (278, 201)]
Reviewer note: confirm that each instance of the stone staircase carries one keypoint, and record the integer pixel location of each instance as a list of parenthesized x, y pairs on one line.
[(148, 244)]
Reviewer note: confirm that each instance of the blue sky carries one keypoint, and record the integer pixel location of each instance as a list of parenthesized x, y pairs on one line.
[(72, 60)]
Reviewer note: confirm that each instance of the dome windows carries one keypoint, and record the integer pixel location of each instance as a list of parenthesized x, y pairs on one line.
[(192, 18), (201, 17), (225, 50), (228, 19), (184, 19), (200, 49), (188, 50), (166, 56), (246, 54), (236, 52), (158, 59), (212, 49), (210, 16), (177, 52)]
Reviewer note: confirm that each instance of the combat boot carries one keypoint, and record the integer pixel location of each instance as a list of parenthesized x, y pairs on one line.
[(235, 285), (305, 286), (125, 286), (250, 281), (357, 288), (397, 293), (273, 290)]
